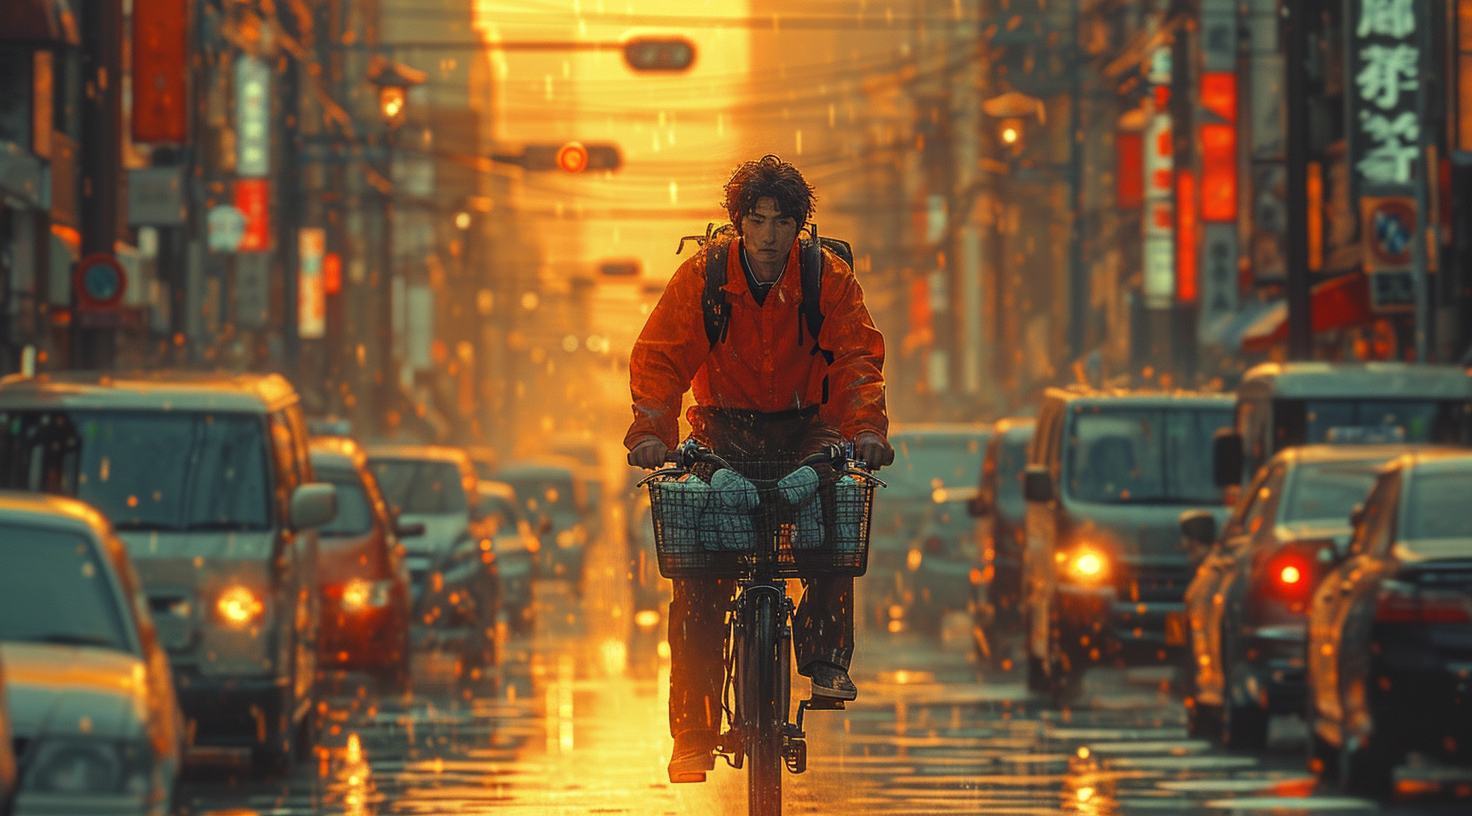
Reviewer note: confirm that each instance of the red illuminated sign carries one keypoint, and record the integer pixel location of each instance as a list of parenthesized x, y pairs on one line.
[(1219, 173), (253, 199), (160, 65), (1129, 169), (332, 273), (1186, 237)]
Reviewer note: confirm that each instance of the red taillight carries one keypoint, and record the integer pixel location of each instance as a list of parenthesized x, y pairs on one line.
[(1402, 603), (935, 545), (1290, 575)]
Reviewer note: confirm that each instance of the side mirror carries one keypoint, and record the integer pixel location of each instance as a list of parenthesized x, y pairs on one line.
[(313, 505), (1357, 515), (1037, 484), (410, 530), (1226, 458), (1198, 527)]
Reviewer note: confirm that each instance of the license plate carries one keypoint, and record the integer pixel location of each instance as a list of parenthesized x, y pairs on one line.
[(1175, 628)]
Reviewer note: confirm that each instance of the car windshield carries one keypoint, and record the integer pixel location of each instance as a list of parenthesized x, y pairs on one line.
[(1329, 490), (925, 462), (354, 514), (145, 470), (1437, 510), (1371, 421), (1143, 455), (493, 504), (53, 589), (541, 494), (420, 486)]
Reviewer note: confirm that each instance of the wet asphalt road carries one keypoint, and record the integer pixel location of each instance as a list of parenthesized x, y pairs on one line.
[(573, 722)]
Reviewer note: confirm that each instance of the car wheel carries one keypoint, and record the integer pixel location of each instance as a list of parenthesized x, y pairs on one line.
[(1203, 721), (1368, 770), (304, 738), (272, 756), (1244, 728), (1323, 758)]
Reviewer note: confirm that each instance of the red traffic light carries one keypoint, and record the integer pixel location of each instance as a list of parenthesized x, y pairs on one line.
[(569, 157), (572, 157), (659, 53)]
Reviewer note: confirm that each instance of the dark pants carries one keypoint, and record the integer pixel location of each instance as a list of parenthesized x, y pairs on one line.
[(823, 627)]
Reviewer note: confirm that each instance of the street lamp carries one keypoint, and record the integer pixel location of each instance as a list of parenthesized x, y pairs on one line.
[(393, 81)]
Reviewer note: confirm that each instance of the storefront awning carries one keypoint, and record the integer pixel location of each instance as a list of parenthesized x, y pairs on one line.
[(1337, 303), (42, 22)]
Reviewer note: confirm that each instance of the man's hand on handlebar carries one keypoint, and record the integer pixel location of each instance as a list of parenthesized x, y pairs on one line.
[(650, 454), (873, 450)]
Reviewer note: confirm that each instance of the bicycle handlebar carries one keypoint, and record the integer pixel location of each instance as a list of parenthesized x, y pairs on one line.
[(690, 452)]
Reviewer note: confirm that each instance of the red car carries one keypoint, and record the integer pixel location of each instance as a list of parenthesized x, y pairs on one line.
[(365, 584)]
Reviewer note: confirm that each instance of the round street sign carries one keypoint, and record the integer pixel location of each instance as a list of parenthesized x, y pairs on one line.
[(99, 282), (1392, 224)]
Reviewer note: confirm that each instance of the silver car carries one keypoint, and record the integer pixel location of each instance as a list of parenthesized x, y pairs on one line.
[(207, 480), (95, 720)]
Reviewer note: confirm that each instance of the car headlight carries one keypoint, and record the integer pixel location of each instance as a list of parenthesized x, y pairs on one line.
[(358, 594), (238, 606), (89, 767), (1084, 564)]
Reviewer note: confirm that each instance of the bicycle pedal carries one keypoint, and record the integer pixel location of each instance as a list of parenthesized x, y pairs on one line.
[(680, 779), (795, 756), (821, 703)]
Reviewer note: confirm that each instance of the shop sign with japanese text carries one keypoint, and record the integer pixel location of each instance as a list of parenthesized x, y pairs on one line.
[(1387, 59)]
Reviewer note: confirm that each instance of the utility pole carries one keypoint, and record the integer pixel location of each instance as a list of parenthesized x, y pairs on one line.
[(1078, 278), (1295, 52), (95, 347)]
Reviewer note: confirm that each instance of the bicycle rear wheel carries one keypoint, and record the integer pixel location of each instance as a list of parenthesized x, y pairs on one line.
[(762, 726)]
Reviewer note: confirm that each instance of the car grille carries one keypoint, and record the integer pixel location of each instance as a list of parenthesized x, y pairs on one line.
[(1146, 583)]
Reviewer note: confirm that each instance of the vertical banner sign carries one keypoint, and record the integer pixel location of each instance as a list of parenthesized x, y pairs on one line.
[(311, 304), (1159, 221), (160, 65), (1388, 58), (1217, 147), (1463, 101), (253, 200), (252, 118)]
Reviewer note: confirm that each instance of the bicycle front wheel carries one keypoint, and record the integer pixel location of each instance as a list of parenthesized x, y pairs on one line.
[(762, 726)]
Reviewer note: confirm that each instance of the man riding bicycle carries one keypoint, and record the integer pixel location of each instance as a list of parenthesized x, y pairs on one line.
[(765, 389)]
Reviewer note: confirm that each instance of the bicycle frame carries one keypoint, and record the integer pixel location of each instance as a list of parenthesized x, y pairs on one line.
[(756, 695)]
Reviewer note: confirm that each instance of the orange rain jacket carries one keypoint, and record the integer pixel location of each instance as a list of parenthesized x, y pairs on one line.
[(766, 363)]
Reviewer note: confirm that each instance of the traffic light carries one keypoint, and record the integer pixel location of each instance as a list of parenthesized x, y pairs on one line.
[(569, 157), (659, 54)]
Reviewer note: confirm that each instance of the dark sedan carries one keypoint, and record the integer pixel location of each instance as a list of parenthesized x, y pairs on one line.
[(923, 548), (1246, 606), (1390, 629), (1001, 529)]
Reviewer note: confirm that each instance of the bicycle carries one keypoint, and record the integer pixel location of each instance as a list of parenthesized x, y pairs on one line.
[(761, 541)]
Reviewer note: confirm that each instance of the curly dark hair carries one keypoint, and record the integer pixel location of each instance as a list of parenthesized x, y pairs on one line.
[(769, 177)]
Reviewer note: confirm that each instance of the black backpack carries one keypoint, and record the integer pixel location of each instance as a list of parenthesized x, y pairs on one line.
[(717, 311)]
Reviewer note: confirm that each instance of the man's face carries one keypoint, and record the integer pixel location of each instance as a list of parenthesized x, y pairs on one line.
[(767, 233)]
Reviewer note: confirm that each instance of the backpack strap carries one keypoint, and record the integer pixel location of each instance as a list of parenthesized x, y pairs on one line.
[(810, 258), (715, 309)]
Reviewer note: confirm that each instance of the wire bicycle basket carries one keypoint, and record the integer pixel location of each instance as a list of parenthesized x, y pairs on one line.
[(761, 516)]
